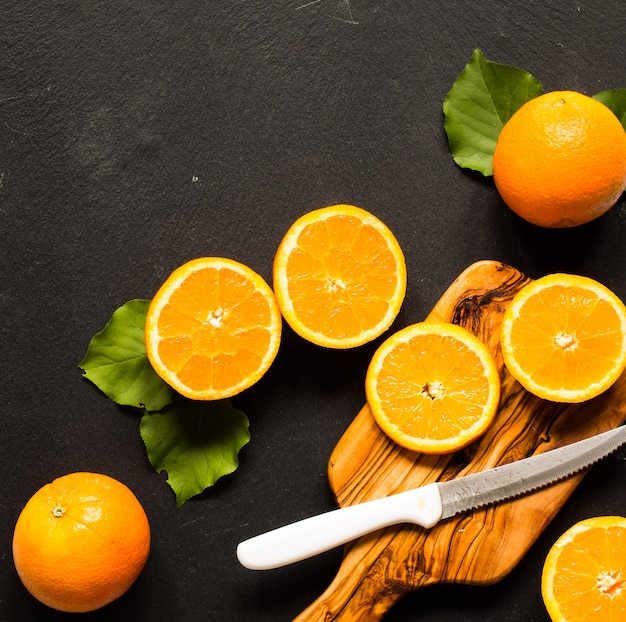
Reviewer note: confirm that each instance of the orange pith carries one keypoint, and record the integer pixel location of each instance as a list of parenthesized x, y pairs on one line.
[(339, 276), (560, 160), (433, 387), (564, 338), (80, 542), (584, 575), (213, 328)]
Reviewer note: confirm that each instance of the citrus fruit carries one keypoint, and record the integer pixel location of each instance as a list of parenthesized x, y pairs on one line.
[(339, 276), (560, 160), (584, 575), (80, 542), (564, 337), (433, 387), (213, 328)]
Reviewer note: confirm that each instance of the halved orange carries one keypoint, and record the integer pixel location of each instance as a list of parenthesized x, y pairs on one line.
[(584, 575), (564, 337), (339, 276), (213, 328), (433, 387)]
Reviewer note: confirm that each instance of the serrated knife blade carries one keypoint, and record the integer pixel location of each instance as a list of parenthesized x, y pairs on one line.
[(523, 476), (426, 505)]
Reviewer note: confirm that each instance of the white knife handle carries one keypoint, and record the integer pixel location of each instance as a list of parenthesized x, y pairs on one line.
[(323, 532)]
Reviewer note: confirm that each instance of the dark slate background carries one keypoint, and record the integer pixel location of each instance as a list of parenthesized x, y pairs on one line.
[(135, 135)]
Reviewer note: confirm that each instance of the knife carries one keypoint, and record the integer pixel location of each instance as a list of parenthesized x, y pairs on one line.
[(426, 505)]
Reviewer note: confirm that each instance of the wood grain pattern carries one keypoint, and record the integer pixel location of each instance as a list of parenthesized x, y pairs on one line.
[(480, 547)]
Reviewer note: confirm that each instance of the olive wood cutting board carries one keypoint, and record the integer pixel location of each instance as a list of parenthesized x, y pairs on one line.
[(479, 547)]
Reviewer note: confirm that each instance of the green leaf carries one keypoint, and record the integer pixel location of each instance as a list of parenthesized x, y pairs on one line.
[(116, 361), (616, 101), (480, 102), (195, 442)]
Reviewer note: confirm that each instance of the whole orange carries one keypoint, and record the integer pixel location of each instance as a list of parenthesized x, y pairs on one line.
[(80, 542), (560, 160)]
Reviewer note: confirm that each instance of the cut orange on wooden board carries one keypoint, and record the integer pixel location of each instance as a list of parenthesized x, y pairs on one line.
[(564, 337), (213, 328), (584, 575), (339, 276), (433, 387)]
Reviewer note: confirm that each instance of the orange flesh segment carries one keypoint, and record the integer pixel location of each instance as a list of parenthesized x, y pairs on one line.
[(215, 332), (433, 387), (566, 341), (339, 276), (584, 577), (223, 345), (582, 354), (437, 401), (333, 255)]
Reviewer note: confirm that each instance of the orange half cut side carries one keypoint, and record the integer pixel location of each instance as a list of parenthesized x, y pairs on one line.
[(584, 575), (564, 337), (213, 328), (339, 276), (433, 387)]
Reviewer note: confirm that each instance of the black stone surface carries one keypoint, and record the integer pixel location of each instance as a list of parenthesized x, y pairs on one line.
[(135, 135)]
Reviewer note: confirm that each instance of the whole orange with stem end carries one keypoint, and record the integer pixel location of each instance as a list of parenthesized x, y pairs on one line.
[(560, 160), (80, 542)]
